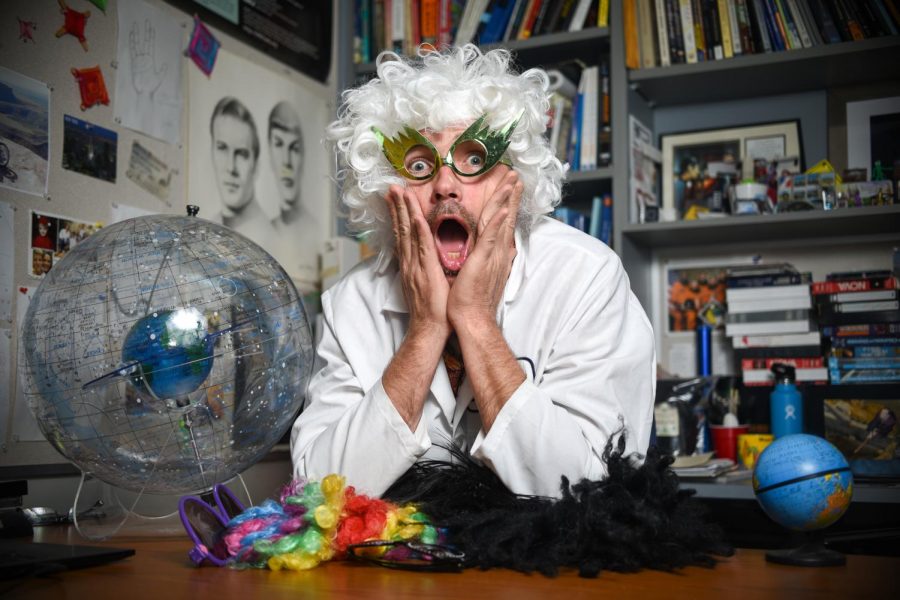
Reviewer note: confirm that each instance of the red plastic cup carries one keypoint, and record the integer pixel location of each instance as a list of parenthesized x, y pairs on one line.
[(725, 440)]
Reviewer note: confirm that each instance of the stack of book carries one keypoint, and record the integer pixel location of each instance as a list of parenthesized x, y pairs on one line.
[(859, 314), (598, 224), (769, 319)]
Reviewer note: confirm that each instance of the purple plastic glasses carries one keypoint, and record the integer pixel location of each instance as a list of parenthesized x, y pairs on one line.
[(205, 523)]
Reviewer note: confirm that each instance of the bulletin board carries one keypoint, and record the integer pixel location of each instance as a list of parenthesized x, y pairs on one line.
[(101, 160)]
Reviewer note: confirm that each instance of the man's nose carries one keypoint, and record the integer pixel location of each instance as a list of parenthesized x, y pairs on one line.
[(232, 163), (446, 185)]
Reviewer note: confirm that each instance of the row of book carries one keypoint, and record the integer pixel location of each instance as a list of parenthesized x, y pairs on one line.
[(666, 32), (580, 128), (845, 329), (598, 223), (402, 25)]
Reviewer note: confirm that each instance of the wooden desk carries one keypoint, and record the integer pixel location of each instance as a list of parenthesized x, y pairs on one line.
[(160, 570)]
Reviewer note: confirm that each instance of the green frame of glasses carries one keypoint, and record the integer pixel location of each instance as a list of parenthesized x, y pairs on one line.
[(494, 142)]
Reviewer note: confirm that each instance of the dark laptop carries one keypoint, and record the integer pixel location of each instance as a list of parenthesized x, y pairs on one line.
[(25, 559)]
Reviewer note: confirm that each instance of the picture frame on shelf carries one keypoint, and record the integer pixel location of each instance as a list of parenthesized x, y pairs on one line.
[(873, 134), (676, 341), (698, 166)]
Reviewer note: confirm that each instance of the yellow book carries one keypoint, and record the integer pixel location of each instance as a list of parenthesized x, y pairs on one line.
[(603, 14), (725, 26)]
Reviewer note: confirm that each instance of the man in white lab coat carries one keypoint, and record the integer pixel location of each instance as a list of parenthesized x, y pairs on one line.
[(482, 323)]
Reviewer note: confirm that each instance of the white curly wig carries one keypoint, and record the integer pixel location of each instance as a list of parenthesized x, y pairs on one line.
[(435, 91)]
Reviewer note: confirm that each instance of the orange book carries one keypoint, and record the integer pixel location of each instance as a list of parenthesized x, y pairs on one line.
[(632, 55), (428, 15)]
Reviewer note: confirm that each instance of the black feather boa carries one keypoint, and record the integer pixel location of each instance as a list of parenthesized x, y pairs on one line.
[(636, 518)]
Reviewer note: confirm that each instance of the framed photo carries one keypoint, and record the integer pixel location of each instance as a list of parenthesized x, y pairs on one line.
[(873, 134), (686, 292), (861, 421), (699, 166)]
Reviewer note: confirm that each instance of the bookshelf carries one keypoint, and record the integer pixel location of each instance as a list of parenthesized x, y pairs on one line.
[(695, 87)]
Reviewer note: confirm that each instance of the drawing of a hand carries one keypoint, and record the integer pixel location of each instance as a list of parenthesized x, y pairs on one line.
[(145, 76)]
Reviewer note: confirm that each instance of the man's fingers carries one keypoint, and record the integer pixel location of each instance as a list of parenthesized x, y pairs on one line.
[(400, 219), (498, 199)]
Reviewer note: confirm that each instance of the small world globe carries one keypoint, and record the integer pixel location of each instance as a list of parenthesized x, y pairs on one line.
[(165, 354), (803, 482)]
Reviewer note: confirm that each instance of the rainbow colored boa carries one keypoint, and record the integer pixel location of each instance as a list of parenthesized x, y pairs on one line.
[(315, 522)]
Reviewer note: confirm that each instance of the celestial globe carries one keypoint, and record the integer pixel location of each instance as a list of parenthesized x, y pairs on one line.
[(165, 354)]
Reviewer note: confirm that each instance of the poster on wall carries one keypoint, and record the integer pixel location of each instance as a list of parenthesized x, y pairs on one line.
[(148, 79), (24, 133), (293, 32), (52, 237), (256, 160)]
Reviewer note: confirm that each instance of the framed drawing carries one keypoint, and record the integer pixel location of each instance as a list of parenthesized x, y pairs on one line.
[(699, 166), (873, 134)]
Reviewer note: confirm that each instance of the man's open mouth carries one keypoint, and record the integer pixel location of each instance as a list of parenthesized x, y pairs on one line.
[(451, 233)]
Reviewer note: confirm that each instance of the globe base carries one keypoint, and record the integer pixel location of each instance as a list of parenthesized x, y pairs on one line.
[(811, 554), (104, 511)]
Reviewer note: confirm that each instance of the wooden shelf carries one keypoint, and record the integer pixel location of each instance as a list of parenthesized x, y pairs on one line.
[(755, 75), (871, 220)]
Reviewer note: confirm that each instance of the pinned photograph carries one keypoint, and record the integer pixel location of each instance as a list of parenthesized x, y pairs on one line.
[(89, 149), (149, 172), (24, 133), (52, 237)]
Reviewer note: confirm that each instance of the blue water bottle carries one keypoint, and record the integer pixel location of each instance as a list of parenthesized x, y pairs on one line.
[(786, 402)]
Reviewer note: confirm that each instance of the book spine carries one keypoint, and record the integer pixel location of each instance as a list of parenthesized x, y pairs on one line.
[(580, 14), (826, 308), (787, 25), (699, 33), (632, 53), (811, 25), (854, 285), (712, 29), (861, 330), (606, 217), (752, 281), (865, 362), (825, 22), (646, 38), (870, 351), (676, 40), (759, 26), (735, 31), (852, 22), (725, 28), (603, 14), (853, 318), (851, 342), (809, 362), (778, 352), (662, 34), (873, 295), (687, 30), (799, 24), (884, 17), (867, 376), (746, 31)]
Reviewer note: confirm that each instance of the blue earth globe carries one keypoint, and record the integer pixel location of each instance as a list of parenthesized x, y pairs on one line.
[(165, 354), (803, 482)]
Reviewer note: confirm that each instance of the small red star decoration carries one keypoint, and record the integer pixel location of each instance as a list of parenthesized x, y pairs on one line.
[(74, 23), (92, 86), (26, 30)]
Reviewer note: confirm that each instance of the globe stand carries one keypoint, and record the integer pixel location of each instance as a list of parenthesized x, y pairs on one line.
[(107, 511), (811, 553)]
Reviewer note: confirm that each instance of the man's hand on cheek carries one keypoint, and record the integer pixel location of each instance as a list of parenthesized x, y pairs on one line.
[(479, 286), (424, 285)]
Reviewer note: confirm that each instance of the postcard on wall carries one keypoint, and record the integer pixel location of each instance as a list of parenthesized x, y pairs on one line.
[(52, 237), (149, 172), (24, 133), (89, 149), (257, 162), (149, 96)]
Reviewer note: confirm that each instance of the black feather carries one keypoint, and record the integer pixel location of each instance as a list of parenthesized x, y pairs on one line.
[(635, 518)]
